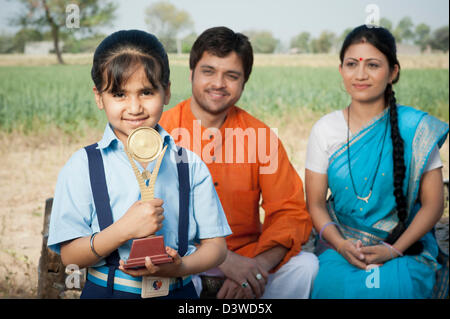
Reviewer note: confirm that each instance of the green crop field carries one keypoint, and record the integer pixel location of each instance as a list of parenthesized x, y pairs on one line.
[(36, 98)]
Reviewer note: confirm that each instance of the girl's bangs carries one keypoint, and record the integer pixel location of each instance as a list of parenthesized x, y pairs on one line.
[(120, 68)]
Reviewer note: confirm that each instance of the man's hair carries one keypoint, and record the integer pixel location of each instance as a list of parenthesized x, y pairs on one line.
[(221, 41)]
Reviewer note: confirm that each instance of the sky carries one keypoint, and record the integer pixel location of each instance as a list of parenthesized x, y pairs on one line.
[(284, 18)]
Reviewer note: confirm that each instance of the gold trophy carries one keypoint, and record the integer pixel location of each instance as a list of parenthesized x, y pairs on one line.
[(144, 144)]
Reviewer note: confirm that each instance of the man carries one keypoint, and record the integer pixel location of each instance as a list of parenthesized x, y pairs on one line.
[(263, 260)]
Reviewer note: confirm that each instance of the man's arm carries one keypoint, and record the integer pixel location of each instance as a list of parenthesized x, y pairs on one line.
[(271, 257), (286, 222)]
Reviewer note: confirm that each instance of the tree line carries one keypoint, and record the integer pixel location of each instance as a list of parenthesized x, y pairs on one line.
[(47, 20), (404, 32)]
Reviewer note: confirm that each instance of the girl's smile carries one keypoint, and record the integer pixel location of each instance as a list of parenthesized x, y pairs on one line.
[(137, 104)]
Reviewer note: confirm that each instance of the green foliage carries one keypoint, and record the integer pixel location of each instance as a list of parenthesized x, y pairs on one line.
[(25, 35), (403, 32), (422, 35), (87, 44), (6, 43), (274, 90), (440, 39), (187, 42), (38, 98), (167, 22), (301, 42), (386, 23), (51, 15), (93, 13), (262, 41), (323, 43)]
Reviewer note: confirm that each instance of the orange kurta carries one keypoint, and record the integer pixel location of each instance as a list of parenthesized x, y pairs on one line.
[(244, 171)]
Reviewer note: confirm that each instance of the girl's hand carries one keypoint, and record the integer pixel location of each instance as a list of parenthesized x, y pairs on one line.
[(142, 219), (163, 270), (353, 253), (378, 254)]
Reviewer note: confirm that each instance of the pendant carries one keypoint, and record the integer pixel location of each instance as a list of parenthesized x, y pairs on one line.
[(365, 199)]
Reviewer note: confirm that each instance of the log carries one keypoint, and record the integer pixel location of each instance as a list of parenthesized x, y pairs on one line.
[(51, 274)]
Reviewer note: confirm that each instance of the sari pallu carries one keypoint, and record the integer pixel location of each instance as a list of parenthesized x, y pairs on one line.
[(371, 222)]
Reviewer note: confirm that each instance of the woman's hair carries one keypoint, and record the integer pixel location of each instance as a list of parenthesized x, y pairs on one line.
[(384, 41), (120, 54), (221, 41)]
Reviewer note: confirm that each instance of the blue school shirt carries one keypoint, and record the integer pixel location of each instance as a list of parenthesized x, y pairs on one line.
[(73, 211)]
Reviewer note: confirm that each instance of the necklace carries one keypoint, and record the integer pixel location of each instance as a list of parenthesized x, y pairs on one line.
[(365, 199)]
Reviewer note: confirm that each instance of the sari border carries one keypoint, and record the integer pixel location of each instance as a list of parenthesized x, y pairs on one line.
[(357, 136), (350, 232), (430, 132)]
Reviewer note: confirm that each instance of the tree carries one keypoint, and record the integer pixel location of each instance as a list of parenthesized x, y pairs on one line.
[(24, 35), (340, 40), (53, 14), (167, 23), (188, 42), (262, 41), (440, 40), (386, 23), (301, 42), (323, 43), (403, 31), (422, 36), (6, 43)]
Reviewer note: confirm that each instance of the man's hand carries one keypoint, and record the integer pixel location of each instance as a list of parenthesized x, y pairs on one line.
[(238, 270), (232, 290)]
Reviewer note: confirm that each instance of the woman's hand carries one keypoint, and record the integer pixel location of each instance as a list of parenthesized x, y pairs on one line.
[(378, 254), (353, 253), (163, 270)]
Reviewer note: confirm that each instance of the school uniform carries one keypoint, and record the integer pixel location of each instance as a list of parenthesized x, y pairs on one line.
[(80, 207)]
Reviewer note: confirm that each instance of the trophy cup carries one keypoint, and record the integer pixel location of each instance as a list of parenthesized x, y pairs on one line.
[(144, 144)]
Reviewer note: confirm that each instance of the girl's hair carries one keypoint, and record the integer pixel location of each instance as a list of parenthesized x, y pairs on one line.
[(384, 41), (119, 55)]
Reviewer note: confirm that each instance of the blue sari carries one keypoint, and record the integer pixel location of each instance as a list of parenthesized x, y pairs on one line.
[(402, 277)]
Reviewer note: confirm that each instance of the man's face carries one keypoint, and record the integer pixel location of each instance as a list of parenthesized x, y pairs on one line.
[(217, 83)]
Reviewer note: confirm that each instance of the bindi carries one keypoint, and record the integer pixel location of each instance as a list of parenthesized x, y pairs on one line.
[(360, 59)]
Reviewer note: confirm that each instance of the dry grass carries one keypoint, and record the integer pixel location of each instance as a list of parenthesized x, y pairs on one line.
[(425, 61), (30, 166)]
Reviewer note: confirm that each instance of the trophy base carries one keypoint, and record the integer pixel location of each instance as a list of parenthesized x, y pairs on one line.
[(152, 247)]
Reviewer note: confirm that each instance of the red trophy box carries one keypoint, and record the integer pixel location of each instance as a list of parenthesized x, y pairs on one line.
[(152, 247)]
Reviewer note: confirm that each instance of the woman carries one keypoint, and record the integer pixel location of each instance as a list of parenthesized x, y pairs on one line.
[(381, 163)]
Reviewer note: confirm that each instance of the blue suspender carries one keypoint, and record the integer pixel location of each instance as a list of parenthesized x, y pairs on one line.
[(183, 220), (102, 206), (104, 212)]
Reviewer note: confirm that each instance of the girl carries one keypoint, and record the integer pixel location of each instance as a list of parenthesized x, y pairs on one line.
[(97, 210), (381, 163)]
